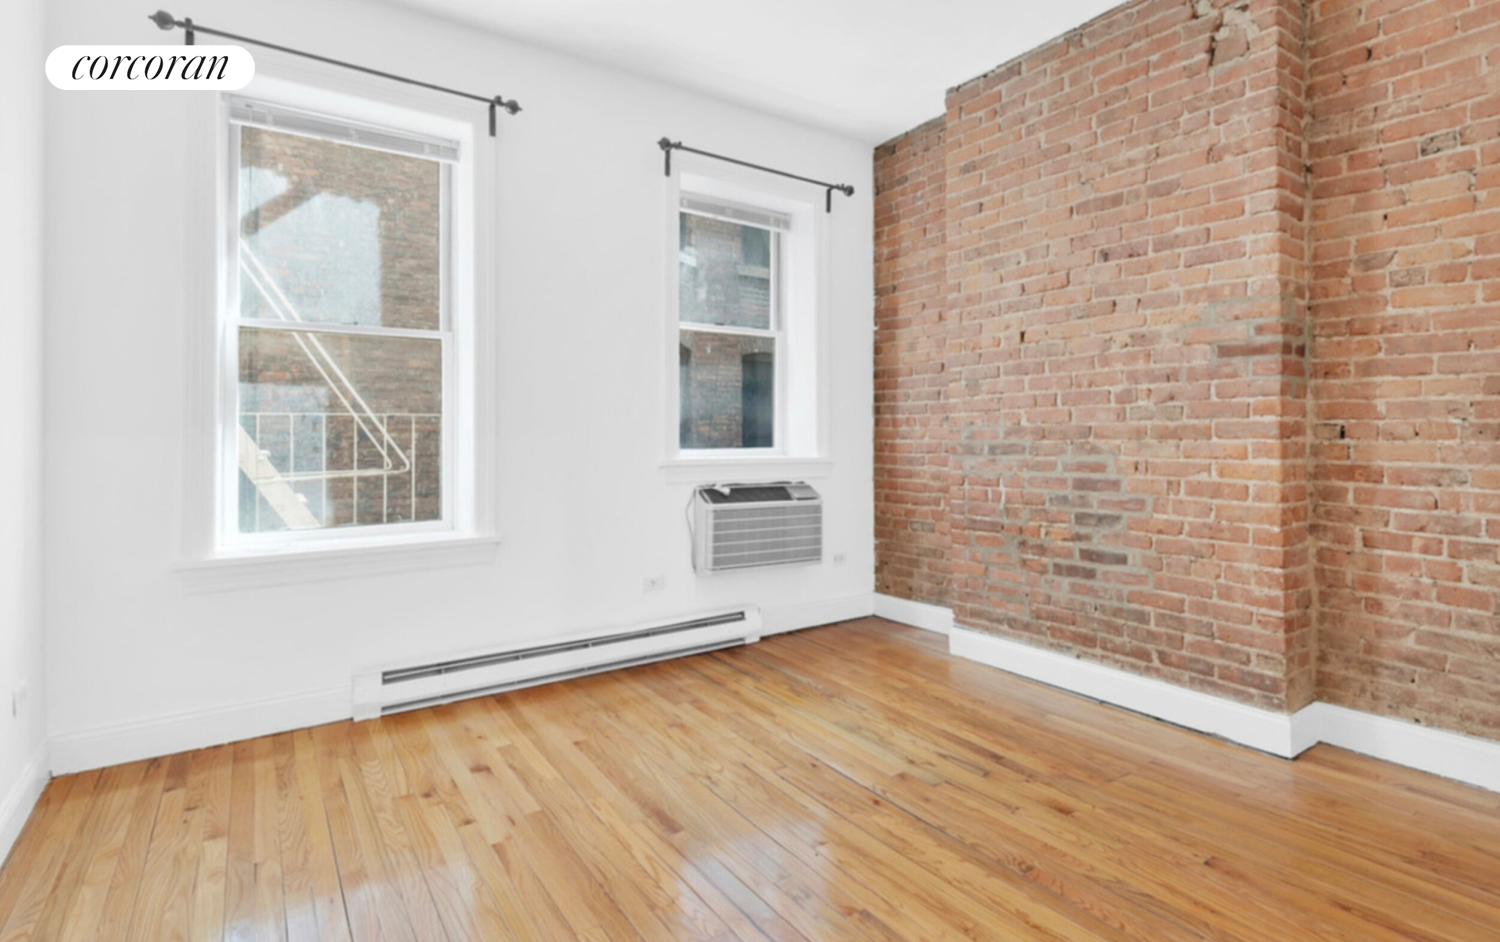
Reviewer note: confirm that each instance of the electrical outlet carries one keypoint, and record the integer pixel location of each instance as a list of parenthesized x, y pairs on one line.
[(18, 700), (840, 558), (653, 583)]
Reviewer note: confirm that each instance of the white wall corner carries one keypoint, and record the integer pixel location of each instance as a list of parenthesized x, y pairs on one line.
[(922, 615), (16, 806), (1259, 729), (780, 618), (168, 735)]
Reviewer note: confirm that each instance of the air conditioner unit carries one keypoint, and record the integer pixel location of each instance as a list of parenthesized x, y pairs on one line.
[(408, 687), (739, 526)]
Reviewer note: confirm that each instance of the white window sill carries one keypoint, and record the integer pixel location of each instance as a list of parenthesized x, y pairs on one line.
[(746, 470), (321, 564)]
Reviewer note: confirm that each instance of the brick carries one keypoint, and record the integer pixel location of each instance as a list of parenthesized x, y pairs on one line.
[(1096, 280)]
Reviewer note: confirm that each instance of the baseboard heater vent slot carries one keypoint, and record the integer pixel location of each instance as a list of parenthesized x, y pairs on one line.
[(394, 689)]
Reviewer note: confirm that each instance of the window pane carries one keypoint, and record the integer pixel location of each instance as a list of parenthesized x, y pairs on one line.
[(728, 390), (338, 430), (337, 234), (723, 273)]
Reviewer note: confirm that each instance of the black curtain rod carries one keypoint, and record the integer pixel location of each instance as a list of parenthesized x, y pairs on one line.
[(165, 21), (667, 146)]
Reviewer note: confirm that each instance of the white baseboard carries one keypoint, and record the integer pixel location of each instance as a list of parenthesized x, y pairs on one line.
[(783, 618), (167, 735), (916, 614), (1260, 729), (1462, 758), (16, 807), (1452, 755)]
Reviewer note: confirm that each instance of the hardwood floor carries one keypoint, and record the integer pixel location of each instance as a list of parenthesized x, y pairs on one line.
[(846, 783)]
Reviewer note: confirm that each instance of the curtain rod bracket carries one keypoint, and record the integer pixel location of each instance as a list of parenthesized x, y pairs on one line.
[(668, 145), (511, 107), (166, 22), (666, 150)]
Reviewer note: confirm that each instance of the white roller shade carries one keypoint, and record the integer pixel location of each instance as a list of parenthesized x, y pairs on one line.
[(734, 212), (308, 124)]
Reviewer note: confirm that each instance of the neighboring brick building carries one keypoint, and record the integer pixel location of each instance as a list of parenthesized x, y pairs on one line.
[(726, 383), (1105, 279)]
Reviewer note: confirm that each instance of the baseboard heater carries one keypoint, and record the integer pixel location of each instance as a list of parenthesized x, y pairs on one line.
[(394, 689)]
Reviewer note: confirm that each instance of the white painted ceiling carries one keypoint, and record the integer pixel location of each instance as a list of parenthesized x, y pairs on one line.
[(868, 69)]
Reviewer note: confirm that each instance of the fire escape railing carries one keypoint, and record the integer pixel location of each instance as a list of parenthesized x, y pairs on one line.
[(348, 395)]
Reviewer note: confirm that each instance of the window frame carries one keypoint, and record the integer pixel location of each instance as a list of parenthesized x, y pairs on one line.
[(215, 555), (800, 444), (233, 324)]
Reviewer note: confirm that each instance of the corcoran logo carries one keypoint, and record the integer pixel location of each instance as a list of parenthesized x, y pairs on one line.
[(150, 68)]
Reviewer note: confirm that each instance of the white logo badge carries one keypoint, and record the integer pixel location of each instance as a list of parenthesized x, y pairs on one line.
[(150, 68)]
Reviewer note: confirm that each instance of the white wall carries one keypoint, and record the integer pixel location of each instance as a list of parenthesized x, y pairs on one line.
[(21, 644), (585, 510)]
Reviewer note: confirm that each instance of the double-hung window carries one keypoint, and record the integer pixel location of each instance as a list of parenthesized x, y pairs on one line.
[(747, 298), (337, 413), (731, 326)]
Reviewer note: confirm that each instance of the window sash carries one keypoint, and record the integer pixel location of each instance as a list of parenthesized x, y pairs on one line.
[(229, 535), (778, 225), (775, 312), (778, 402), (358, 330)]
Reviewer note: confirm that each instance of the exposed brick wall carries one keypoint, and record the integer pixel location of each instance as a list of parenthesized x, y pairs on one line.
[(1218, 323), (911, 452), (1124, 240), (1405, 152)]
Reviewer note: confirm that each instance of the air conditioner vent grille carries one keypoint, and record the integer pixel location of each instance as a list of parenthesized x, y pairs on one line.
[(756, 525)]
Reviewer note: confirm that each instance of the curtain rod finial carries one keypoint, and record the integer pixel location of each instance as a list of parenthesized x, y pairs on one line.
[(162, 19), (666, 144)]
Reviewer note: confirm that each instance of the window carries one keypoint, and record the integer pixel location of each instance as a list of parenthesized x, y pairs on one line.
[(338, 417), (730, 309)]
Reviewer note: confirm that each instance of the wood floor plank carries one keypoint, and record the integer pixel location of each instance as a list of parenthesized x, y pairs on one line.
[(372, 915), (371, 793), (847, 784), (103, 825), (471, 753), (125, 879), (209, 792), (163, 910), (582, 899), (80, 915), (304, 811), (679, 891), (51, 856)]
